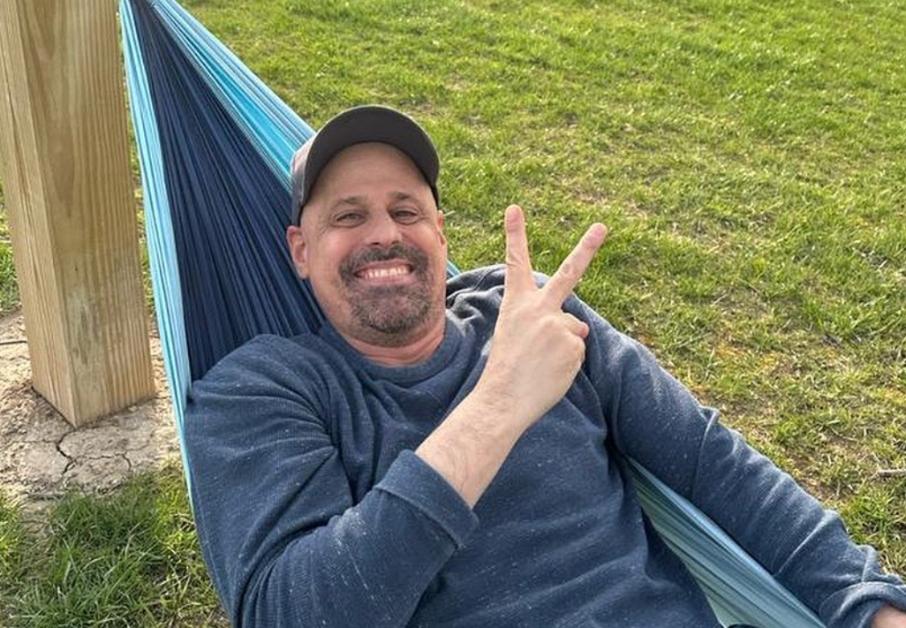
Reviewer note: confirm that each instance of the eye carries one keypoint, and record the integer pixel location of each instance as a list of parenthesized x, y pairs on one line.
[(349, 218), (406, 215)]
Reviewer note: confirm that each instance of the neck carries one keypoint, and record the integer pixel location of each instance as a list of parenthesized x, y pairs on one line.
[(405, 354)]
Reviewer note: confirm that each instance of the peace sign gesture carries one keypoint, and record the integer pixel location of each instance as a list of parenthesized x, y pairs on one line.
[(519, 280), (536, 352), (538, 348)]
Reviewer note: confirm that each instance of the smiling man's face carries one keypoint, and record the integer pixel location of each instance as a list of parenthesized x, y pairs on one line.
[(371, 244)]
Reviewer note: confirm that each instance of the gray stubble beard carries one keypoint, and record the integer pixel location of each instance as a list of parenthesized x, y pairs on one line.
[(391, 315)]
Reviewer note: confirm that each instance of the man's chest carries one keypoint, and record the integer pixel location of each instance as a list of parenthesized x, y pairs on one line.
[(375, 420)]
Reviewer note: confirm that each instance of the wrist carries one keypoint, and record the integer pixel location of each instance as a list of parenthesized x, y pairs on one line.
[(490, 401), (889, 617), (499, 408), (471, 444)]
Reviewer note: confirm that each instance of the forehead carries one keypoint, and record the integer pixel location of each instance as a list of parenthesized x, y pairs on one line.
[(370, 161), (368, 170)]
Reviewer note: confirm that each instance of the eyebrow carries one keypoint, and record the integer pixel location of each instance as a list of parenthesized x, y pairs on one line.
[(402, 196), (348, 200), (360, 200)]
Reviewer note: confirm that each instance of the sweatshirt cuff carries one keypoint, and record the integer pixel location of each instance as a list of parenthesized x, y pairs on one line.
[(415, 481), (857, 605)]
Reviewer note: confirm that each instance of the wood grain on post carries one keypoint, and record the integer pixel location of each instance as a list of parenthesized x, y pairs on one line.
[(64, 163)]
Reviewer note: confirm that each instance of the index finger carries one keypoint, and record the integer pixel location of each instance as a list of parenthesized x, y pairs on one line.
[(518, 263), (573, 267)]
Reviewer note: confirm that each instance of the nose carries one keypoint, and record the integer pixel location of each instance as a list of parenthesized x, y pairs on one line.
[(384, 231)]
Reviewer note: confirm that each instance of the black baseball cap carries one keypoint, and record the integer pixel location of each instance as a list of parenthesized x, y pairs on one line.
[(368, 123)]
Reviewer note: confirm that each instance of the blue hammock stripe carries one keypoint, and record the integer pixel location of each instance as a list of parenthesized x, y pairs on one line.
[(159, 235), (228, 209), (751, 595), (274, 129), (214, 143)]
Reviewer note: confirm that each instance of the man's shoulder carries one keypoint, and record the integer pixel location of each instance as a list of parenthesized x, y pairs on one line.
[(293, 373), (476, 294), (485, 278), (482, 278), (487, 282)]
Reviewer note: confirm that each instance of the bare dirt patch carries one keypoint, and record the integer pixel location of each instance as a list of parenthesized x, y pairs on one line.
[(42, 456)]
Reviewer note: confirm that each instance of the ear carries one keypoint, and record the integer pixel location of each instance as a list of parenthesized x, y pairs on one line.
[(298, 249), (440, 227)]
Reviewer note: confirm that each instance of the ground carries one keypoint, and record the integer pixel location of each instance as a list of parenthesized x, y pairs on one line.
[(42, 456)]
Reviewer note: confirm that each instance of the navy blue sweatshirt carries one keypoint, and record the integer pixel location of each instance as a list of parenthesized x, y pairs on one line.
[(313, 510)]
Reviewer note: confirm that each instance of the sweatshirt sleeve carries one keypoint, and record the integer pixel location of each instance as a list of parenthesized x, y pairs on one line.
[(282, 538), (658, 422)]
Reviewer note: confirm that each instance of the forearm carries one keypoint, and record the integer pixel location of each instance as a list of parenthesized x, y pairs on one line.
[(655, 420), (370, 565), (470, 446), (803, 545), (376, 559)]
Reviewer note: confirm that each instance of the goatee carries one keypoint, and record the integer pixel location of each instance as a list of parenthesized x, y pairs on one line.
[(392, 310)]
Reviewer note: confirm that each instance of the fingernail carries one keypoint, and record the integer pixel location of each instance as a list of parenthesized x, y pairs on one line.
[(512, 213), (597, 231)]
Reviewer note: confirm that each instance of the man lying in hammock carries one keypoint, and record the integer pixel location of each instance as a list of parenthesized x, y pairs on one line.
[(443, 453)]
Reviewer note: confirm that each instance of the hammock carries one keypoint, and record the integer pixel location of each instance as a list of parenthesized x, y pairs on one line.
[(214, 143)]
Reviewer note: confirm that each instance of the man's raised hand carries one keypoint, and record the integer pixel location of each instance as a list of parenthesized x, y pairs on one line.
[(536, 352), (538, 348)]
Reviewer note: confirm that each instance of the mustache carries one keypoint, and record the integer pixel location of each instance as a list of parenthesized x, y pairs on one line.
[(414, 256)]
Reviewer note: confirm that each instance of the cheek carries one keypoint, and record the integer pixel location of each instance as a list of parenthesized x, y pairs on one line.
[(432, 240), (321, 278), (329, 255)]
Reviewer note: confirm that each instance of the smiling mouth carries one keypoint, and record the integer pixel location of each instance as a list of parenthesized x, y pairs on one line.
[(383, 273)]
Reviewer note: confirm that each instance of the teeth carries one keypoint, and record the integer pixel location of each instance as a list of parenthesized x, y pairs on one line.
[(377, 273)]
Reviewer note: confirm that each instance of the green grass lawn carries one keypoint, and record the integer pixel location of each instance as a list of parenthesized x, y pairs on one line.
[(9, 292), (747, 158)]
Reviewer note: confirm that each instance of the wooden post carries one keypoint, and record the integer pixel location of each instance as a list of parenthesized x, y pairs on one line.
[(69, 191)]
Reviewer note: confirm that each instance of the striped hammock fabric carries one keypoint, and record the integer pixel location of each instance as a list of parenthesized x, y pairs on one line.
[(214, 143)]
